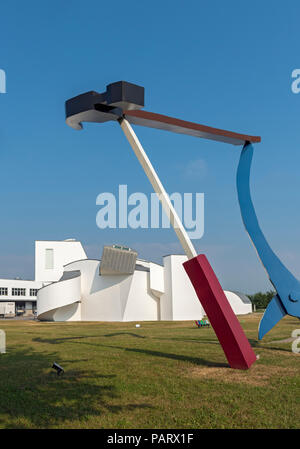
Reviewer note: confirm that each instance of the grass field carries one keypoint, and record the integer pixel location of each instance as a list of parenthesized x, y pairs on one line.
[(161, 375)]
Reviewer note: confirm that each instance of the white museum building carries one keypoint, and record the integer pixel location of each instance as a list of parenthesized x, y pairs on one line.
[(120, 287)]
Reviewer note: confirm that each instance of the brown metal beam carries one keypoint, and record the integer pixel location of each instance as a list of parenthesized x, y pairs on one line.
[(158, 121)]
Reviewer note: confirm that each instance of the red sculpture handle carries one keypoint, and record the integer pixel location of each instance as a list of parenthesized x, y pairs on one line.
[(230, 334)]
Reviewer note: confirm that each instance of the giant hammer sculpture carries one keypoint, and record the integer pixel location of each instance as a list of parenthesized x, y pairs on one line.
[(121, 102)]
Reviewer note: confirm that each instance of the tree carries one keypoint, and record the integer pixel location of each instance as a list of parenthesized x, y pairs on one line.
[(261, 300)]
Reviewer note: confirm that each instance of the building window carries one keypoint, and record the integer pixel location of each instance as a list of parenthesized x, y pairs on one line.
[(18, 291), (3, 291), (33, 291), (49, 259)]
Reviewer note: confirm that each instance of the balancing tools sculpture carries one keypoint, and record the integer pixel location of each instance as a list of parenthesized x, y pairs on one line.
[(121, 102)]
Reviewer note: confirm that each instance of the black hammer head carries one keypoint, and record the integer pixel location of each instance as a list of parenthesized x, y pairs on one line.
[(109, 105)]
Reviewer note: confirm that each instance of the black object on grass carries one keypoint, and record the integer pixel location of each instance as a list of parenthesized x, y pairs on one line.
[(58, 368)]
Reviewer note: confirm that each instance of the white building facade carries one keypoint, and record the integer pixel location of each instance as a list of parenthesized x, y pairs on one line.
[(50, 257), (70, 287), (151, 292), (20, 292)]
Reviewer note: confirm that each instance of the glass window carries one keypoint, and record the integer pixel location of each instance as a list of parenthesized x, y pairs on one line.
[(18, 291), (49, 259), (33, 291), (3, 291)]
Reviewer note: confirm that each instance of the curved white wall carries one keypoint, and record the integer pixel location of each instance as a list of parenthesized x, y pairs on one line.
[(237, 304), (151, 293), (60, 300), (141, 304), (179, 301), (116, 297)]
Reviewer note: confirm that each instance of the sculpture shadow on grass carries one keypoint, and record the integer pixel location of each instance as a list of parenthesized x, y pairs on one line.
[(80, 337), (254, 343), (124, 333), (190, 340), (167, 355), (59, 340), (194, 360), (33, 396), (266, 346)]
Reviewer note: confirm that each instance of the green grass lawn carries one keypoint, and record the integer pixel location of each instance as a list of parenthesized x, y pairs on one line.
[(161, 375)]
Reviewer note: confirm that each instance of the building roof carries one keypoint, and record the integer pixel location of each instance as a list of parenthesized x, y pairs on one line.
[(244, 298)]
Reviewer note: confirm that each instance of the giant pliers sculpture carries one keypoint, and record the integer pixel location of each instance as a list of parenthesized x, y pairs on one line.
[(287, 299), (121, 102)]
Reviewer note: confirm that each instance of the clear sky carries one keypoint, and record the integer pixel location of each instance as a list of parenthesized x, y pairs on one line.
[(224, 64)]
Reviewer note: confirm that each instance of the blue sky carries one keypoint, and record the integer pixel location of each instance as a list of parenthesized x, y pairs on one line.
[(224, 64)]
